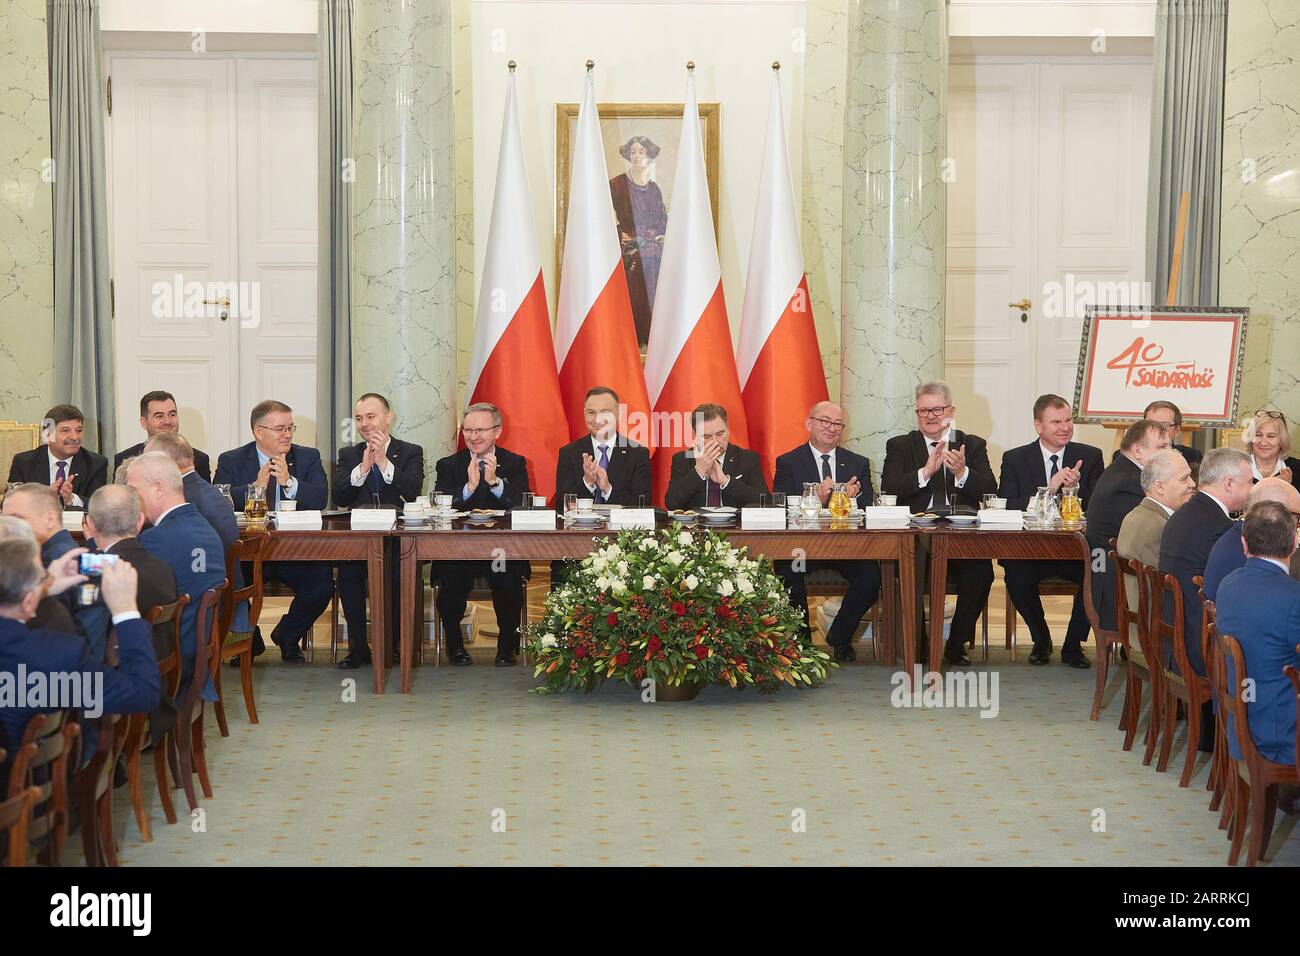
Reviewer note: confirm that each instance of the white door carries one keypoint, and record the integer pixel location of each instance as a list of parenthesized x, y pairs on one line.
[(1047, 203), (174, 231), (213, 215)]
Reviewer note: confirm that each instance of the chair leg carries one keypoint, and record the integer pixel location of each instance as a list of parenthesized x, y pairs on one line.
[(1237, 827), (1154, 723), (334, 628), (1103, 671), (201, 757), (1193, 743), (185, 744), (984, 631), (220, 705), (160, 775), (1009, 631), (1128, 718), (107, 844), (137, 795), (89, 831), (1167, 744), (246, 681), (1258, 828)]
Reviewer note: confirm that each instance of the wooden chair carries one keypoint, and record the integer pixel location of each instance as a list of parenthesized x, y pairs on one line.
[(479, 592), (189, 720), (1183, 685), (827, 583), (15, 813), (1257, 778), (16, 437), (1049, 587), (249, 551), (93, 785), (1217, 780), (48, 742), (1134, 637), (169, 669), (1106, 640), (1294, 674), (1235, 802)]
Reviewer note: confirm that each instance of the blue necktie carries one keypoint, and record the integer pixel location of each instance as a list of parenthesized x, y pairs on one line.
[(376, 481), (604, 463)]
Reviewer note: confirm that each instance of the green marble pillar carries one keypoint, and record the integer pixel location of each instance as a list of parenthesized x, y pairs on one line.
[(892, 285)]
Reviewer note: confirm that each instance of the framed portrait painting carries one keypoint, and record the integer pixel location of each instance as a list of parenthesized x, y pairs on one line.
[(641, 150)]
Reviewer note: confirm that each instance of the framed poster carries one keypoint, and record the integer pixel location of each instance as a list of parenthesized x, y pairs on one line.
[(641, 155), (1189, 356)]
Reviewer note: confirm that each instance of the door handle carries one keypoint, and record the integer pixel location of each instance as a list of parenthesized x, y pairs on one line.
[(224, 302), (1024, 305)]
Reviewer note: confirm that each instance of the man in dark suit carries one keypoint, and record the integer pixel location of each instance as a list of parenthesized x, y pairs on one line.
[(822, 462), (379, 471), (1057, 462), (158, 416), (287, 472), (133, 686), (62, 463), (713, 472), (1260, 607), (482, 475), (1169, 415), (51, 613), (1192, 530), (603, 465), (182, 538), (1227, 555), (937, 467), (1117, 492)]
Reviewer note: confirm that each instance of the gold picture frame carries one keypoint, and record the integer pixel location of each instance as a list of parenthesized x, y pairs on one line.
[(661, 123)]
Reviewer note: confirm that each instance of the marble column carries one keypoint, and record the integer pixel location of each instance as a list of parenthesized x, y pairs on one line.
[(26, 232), (404, 227), (892, 285), (1259, 245)]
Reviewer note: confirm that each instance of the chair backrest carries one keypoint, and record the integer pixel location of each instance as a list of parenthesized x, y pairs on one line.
[(169, 664), (1294, 674), (1167, 589), (15, 814), (1148, 640), (1089, 608), (1124, 614), (16, 437), (95, 777), (1231, 696), (41, 761), (1209, 619), (246, 550), (207, 649)]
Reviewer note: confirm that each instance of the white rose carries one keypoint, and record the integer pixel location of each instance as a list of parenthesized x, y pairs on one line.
[(648, 582), (618, 587), (744, 585), (690, 582), (602, 584), (675, 558), (684, 539), (548, 640), (725, 588), (615, 551), (729, 559), (622, 568), (649, 544)]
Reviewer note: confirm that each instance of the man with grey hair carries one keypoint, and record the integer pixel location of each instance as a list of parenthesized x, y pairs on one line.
[(1167, 482), (482, 475), (113, 524), (51, 613), (935, 467), (182, 538), (1227, 554), (1190, 535)]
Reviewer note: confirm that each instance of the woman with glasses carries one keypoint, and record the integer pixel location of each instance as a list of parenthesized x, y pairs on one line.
[(1268, 441)]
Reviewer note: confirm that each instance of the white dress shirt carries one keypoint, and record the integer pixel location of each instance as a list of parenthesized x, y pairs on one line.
[(498, 489), (817, 457), (67, 473), (946, 438), (289, 490), (595, 453), (386, 469), (1047, 460), (1277, 467)]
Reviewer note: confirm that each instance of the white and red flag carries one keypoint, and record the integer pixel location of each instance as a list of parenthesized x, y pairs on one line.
[(689, 358), (779, 360), (512, 363), (595, 335)]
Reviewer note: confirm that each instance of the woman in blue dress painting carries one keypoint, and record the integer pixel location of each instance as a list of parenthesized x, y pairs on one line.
[(642, 222)]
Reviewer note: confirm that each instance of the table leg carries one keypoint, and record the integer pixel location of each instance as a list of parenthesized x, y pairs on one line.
[(938, 585), (887, 643), (907, 588), (410, 583), (377, 581)]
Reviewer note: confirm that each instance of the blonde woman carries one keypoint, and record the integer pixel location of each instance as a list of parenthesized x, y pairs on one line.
[(1268, 440)]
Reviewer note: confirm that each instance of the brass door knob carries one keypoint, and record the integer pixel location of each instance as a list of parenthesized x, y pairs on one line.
[(1024, 305)]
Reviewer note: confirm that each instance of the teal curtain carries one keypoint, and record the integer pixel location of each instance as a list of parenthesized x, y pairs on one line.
[(1187, 147), (83, 323), (334, 259)]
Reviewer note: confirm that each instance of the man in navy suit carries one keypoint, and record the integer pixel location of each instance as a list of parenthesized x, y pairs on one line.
[(822, 462), (183, 538), (1227, 555), (292, 473), (937, 467), (379, 471), (51, 613), (131, 687), (1057, 462), (158, 416), (482, 475), (713, 472), (603, 465), (1259, 605), (62, 463)]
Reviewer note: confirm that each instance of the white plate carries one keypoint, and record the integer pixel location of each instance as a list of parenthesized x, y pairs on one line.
[(684, 519), (413, 519), (579, 517), (917, 519), (719, 510), (963, 519)]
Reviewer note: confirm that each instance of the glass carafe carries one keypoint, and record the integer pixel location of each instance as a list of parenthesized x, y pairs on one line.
[(840, 504), (810, 505), (255, 507), (1071, 509)]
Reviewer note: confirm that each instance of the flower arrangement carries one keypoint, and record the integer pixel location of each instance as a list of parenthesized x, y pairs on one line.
[(677, 607)]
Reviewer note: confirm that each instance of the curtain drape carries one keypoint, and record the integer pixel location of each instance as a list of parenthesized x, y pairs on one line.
[(1187, 147), (334, 259), (83, 323)]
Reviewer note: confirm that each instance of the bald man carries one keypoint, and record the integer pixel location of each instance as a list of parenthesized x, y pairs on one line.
[(821, 461), (1227, 556)]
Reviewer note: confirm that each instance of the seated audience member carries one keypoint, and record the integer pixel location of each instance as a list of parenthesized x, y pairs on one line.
[(1118, 491), (182, 538), (379, 471), (158, 416), (603, 465), (286, 472), (1193, 529), (1259, 605), (38, 506), (823, 462), (113, 524), (482, 475), (1268, 442), (1058, 462), (73, 472), (713, 472), (936, 466), (1167, 484), (1168, 415), (1227, 556), (132, 686), (51, 613)]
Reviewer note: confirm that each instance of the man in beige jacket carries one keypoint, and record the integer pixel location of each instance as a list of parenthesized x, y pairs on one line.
[(1167, 484)]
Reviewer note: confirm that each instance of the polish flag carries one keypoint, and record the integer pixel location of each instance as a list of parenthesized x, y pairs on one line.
[(595, 336), (779, 360), (511, 365), (689, 359)]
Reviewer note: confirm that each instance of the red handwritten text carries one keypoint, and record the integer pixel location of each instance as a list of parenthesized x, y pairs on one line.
[(1142, 367)]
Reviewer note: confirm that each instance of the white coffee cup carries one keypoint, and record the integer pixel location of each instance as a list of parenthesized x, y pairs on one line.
[(539, 501), (415, 507), (287, 505), (887, 501), (444, 501), (585, 504), (998, 504)]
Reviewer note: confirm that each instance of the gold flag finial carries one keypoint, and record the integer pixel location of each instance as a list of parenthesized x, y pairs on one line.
[(776, 65), (511, 66), (690, 66), (590, 65)]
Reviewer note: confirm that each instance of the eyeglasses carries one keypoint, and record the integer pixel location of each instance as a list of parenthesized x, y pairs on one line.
[(476, 432), (827, 423), (934, 412), (1269, 413), (280, 429)]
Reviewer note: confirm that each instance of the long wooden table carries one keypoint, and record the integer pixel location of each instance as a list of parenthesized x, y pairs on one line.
[(822, 544)]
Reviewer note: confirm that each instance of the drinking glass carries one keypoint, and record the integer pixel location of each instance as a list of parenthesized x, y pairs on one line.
[(225, 493), (887, 501), (810, 505), (839, 501), (986, 501), (762, 501), (778, 500), (570, 504)]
